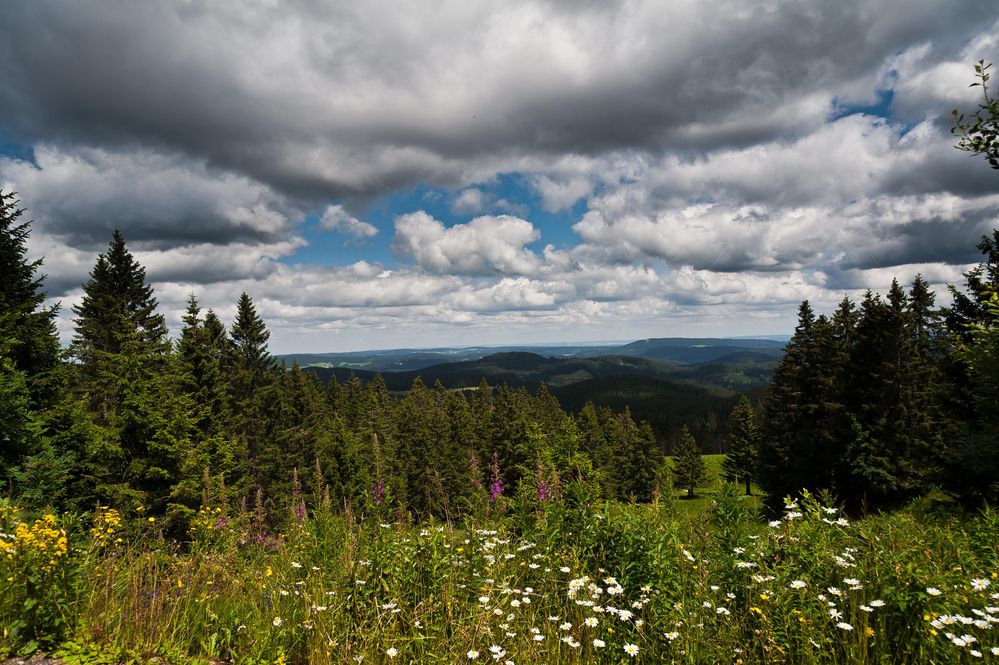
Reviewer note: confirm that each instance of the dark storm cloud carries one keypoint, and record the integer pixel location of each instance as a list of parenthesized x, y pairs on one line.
[(326, 100), (931, 240)]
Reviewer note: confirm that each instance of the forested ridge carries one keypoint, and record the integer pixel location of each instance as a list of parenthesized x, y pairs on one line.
[(878, 402)]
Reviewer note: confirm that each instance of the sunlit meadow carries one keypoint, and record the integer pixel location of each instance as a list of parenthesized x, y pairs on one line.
[(553, 578)]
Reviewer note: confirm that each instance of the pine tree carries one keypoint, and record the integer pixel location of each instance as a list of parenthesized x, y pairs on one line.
[(688, 465), (743, 439), (118, 310), (29, 327), (798, 449), (251, 377), (29, 348)]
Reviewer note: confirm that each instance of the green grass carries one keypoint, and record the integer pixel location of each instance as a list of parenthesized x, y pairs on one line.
[(538, 582)]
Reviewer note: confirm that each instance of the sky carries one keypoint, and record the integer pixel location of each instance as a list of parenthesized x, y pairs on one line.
[(457, 173)]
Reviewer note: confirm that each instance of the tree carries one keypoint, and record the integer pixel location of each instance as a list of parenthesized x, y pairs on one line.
[(688, 469), (251, 372), (980, 132), (29, 348), (743, 439), (118, 310), (29, 327)]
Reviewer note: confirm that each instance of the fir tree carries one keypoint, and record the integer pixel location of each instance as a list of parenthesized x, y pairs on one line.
[(29, 348), (33, 345), (743, 439), (688, 465), (118, 310)]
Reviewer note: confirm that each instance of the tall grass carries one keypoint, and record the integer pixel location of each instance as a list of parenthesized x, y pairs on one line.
[(564, 584)]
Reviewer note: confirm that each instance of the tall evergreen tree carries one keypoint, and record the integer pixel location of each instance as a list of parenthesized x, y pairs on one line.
[(251, 374), (117, 313), (29, 347), (24, 322), (743, 440), (688, 465)]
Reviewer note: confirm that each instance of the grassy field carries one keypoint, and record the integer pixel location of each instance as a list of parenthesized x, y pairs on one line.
[(562, 581)]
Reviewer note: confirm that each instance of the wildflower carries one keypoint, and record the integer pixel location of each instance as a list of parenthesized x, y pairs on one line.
[(933, 591), (798, 584), (631, 650), (844, 626), (391, 652), (566, 626), (877, 603), (591, 622), (980, 584), (672, 636), (472, 654), (277, 621), (152, 519), (600, 644), (295, 564)]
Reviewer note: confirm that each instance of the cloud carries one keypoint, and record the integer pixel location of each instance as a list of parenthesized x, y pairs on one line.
[(156, 199), (332, 100), (469, 201), (337, 219), (702, 142), (486, 245)]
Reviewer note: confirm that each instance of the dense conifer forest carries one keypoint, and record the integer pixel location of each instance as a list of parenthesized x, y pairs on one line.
[(879, 402)]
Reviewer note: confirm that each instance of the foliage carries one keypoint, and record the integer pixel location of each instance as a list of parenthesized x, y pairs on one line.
[(40, 581), (810, 587), (980, 131)]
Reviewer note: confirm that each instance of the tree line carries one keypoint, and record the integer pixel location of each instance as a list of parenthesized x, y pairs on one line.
[(128, 417), (883, 401)]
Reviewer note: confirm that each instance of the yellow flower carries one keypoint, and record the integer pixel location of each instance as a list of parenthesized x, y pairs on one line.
[(152, 519), (869, 631), (269, 572), (764, 596)]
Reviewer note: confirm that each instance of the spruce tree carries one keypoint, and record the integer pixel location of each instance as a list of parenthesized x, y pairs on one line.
[(29, 348), (251, 374), (688, 465), (117, 313), (28, 327), (798, 448), (743, 439)]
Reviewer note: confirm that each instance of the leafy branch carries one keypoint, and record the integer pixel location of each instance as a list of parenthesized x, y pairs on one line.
[(980, 130)]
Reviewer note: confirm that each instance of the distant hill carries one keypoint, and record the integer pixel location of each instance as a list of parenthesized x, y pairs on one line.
[(668, 381), (517, 369), (698, 350), (686, 350)]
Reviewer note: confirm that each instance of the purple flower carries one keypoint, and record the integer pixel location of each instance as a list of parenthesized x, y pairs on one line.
[(496, 490), (544, 491), (378, 493)]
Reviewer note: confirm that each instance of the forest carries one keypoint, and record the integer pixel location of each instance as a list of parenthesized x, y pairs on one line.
[(879, 402)]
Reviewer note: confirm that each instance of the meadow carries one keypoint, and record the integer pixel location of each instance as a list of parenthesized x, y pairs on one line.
[(567, 579)]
